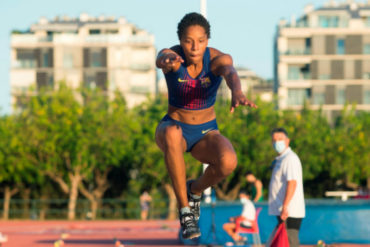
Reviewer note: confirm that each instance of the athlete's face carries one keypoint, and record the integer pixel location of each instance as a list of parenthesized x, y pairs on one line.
[(194, 42)]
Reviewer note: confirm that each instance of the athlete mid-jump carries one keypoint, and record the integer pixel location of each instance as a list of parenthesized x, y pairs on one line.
[(193, 74)]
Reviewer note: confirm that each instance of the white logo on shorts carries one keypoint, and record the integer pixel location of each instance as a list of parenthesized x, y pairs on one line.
[(206, 131)]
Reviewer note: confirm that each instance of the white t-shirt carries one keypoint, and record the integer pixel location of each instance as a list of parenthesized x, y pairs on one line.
[(249, 212), (287, 167)]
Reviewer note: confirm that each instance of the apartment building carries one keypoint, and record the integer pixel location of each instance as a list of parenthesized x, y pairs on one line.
[(251, 84), (96, 52), (323, 58)]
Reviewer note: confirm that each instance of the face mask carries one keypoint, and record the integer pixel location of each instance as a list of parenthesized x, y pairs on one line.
[(279, 146), (243, 200)]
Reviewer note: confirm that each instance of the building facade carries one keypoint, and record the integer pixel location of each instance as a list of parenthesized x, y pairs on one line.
[(104, 52), (323, 58)]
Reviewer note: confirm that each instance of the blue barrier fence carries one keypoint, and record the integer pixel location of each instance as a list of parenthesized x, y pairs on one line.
[(332, 221)]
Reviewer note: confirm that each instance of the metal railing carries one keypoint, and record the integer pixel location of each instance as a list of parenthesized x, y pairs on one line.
[(39, 209)]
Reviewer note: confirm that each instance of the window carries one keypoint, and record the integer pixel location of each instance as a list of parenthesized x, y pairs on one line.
[(96, 59), (90, 79), (94, 31), (297, 96), (366, 95), (308, 46), (112, 31), (293, 73), (324, 69), (68, 60), (25, 59), (367, 21), (366, 48), (323, 21), (318, 95), (340, 46), (328, 21), (341, 96), (45, 60), (319, 98)]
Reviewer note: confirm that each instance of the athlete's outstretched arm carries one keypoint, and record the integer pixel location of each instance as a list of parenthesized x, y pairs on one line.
[(168, 60), (222, 64)]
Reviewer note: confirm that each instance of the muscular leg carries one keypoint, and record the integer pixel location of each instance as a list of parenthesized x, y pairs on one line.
[(217, 151), (169, 139)]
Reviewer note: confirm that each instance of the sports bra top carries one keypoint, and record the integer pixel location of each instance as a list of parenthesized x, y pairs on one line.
[(191, 93)]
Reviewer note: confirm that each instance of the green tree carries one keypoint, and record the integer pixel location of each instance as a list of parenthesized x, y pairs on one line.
[(109, 132), (15, 171)]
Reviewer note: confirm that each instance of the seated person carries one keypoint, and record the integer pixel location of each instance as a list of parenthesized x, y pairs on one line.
[(248, 215)]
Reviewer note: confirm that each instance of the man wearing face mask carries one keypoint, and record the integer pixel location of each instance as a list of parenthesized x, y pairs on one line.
[(286, 198)]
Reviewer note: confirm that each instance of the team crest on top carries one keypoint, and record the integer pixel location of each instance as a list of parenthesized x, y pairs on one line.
[(205, 82)]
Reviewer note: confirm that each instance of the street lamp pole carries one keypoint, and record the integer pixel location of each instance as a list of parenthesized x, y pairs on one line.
[(207, 192)]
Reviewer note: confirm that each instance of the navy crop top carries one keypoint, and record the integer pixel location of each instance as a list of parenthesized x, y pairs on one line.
[(192, 93)]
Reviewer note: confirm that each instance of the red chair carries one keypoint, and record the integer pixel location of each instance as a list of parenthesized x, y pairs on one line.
[(254, 230)]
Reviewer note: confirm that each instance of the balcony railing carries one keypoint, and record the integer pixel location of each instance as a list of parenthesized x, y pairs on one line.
[(114, 38), (299, 77), (299, 24), (74, 38), (295, 52), (139, 89), (142, 67), (24, 64)]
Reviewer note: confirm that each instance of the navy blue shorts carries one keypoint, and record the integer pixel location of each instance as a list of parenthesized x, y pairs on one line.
[(192, 133)]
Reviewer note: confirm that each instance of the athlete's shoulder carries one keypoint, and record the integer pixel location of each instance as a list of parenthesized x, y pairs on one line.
[(177, 49), (213, 52), (219, 57), (220, 62)]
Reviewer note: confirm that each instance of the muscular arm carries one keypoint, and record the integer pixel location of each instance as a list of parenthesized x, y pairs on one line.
[(290, 189), (222, 65)]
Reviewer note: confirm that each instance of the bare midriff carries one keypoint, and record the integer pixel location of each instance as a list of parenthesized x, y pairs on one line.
[(192, 116)]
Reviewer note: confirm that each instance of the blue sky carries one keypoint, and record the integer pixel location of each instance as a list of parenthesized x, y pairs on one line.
[(242, 28)]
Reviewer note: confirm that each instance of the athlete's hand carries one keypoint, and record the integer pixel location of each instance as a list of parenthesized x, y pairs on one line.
[(168, 60), (238, 98)]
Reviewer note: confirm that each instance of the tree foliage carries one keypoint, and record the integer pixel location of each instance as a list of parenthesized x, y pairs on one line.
[(91, 145)]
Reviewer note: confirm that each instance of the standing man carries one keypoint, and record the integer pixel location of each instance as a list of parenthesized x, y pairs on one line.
[(286, 199), (257, 187)]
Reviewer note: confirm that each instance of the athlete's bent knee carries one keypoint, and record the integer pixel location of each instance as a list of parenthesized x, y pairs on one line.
[(228, 164)]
